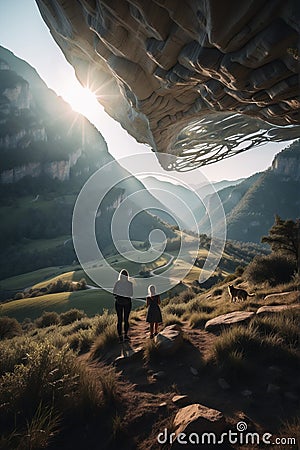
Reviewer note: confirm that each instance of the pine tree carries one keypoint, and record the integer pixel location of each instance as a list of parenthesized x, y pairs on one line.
[(284, 237)]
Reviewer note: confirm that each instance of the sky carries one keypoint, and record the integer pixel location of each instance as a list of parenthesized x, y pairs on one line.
[(23, 31)]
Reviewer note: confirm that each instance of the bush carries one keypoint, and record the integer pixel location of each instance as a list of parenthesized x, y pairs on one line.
[(175, 309), (70, 316), (44, 380), (273, 268), (198, 320), (19, 296), (9, 327), (47, 319)]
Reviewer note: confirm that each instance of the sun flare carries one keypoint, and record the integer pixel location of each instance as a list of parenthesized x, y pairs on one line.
[(82, 100)]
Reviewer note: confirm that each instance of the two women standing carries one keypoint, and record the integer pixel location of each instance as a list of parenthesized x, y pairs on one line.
[(123, 292)]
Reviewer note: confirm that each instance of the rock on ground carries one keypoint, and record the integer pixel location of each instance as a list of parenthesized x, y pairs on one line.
[(264, 310), (197, 419), (225, 320), (169, 339)]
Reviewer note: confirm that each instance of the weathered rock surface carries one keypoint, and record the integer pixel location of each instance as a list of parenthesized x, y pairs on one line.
[(264, 310), (180, 77), (226, 320), (180, 400), (169, 339), (198, 419)]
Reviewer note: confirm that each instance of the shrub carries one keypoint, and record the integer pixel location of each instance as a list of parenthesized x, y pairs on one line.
[(70, 316), (43, 381), (19, 296), (197, 306), (105, 339), (175, 309), (171, 319), (104, 321), (199, 319), (9, 327), (273, 268), (216, 292), (81, 341), (47, 319)]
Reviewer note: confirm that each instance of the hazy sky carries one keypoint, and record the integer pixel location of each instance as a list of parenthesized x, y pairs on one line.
[(23, 31)]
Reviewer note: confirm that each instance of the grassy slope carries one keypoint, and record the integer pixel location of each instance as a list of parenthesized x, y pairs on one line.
[(91, 301)]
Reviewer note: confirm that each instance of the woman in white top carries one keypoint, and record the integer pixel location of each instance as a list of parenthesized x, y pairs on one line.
[(123, 292)]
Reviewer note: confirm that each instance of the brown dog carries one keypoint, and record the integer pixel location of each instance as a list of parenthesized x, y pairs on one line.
[(239, 294)]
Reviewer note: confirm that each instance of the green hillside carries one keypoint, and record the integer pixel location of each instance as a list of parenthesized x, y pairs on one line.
[(91, 301)]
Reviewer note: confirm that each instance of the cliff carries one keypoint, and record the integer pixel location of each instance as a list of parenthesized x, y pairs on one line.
[(35, 124), (287, 162)]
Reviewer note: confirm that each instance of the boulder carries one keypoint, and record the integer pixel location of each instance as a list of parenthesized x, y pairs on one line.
[(264, 310), (226, 320), (197, 419), (180, 400), (169, 340)]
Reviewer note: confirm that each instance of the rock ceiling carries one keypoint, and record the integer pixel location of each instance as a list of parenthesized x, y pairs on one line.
[(202, 79)]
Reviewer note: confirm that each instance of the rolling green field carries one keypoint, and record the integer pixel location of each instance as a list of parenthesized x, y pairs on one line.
[(91, 301)]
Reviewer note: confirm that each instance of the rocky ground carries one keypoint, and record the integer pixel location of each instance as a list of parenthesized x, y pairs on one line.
[(170, 385)]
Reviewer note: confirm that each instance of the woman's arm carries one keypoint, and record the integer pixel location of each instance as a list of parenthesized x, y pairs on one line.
[(158, 300), (147, 301)]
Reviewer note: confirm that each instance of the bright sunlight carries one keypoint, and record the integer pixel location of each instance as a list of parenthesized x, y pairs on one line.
[(82, 100)]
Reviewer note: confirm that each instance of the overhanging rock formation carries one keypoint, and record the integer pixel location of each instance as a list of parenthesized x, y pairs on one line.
[(200, 79)]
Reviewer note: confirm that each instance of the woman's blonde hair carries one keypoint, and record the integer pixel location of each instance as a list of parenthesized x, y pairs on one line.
[(151, 290), (123, 273)]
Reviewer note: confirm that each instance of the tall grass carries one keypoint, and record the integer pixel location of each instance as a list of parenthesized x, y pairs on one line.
[(39, 383), (269, 340)]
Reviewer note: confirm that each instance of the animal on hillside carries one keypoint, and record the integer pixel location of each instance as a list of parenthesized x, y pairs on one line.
[(238, 294)]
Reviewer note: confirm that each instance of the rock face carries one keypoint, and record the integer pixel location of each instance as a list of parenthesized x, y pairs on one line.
[(198, 419), (287, 163), (226, 320), (35, 137), (193, 79)]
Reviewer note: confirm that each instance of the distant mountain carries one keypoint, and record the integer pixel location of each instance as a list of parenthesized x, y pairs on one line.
[(176, 196), (251, 206), (205, 188), (47, 152)]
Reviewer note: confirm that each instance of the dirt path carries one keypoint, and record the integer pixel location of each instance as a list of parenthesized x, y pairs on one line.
[(200, 339)]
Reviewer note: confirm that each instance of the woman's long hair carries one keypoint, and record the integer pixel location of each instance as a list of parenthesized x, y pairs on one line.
[(123, 275), (151, 290)]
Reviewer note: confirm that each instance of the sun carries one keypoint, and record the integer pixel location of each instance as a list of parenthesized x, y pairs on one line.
[(82, 100)]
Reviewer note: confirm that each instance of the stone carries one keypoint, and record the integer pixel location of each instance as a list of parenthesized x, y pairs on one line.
[(223, 384), (161, 375), (180, 400), (169, 340), (226, 320), (198, 419), (162, 405), (173, 74), (264, 310)]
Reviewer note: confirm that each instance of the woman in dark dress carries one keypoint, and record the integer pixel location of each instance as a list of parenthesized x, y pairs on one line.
[(154, 313)]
